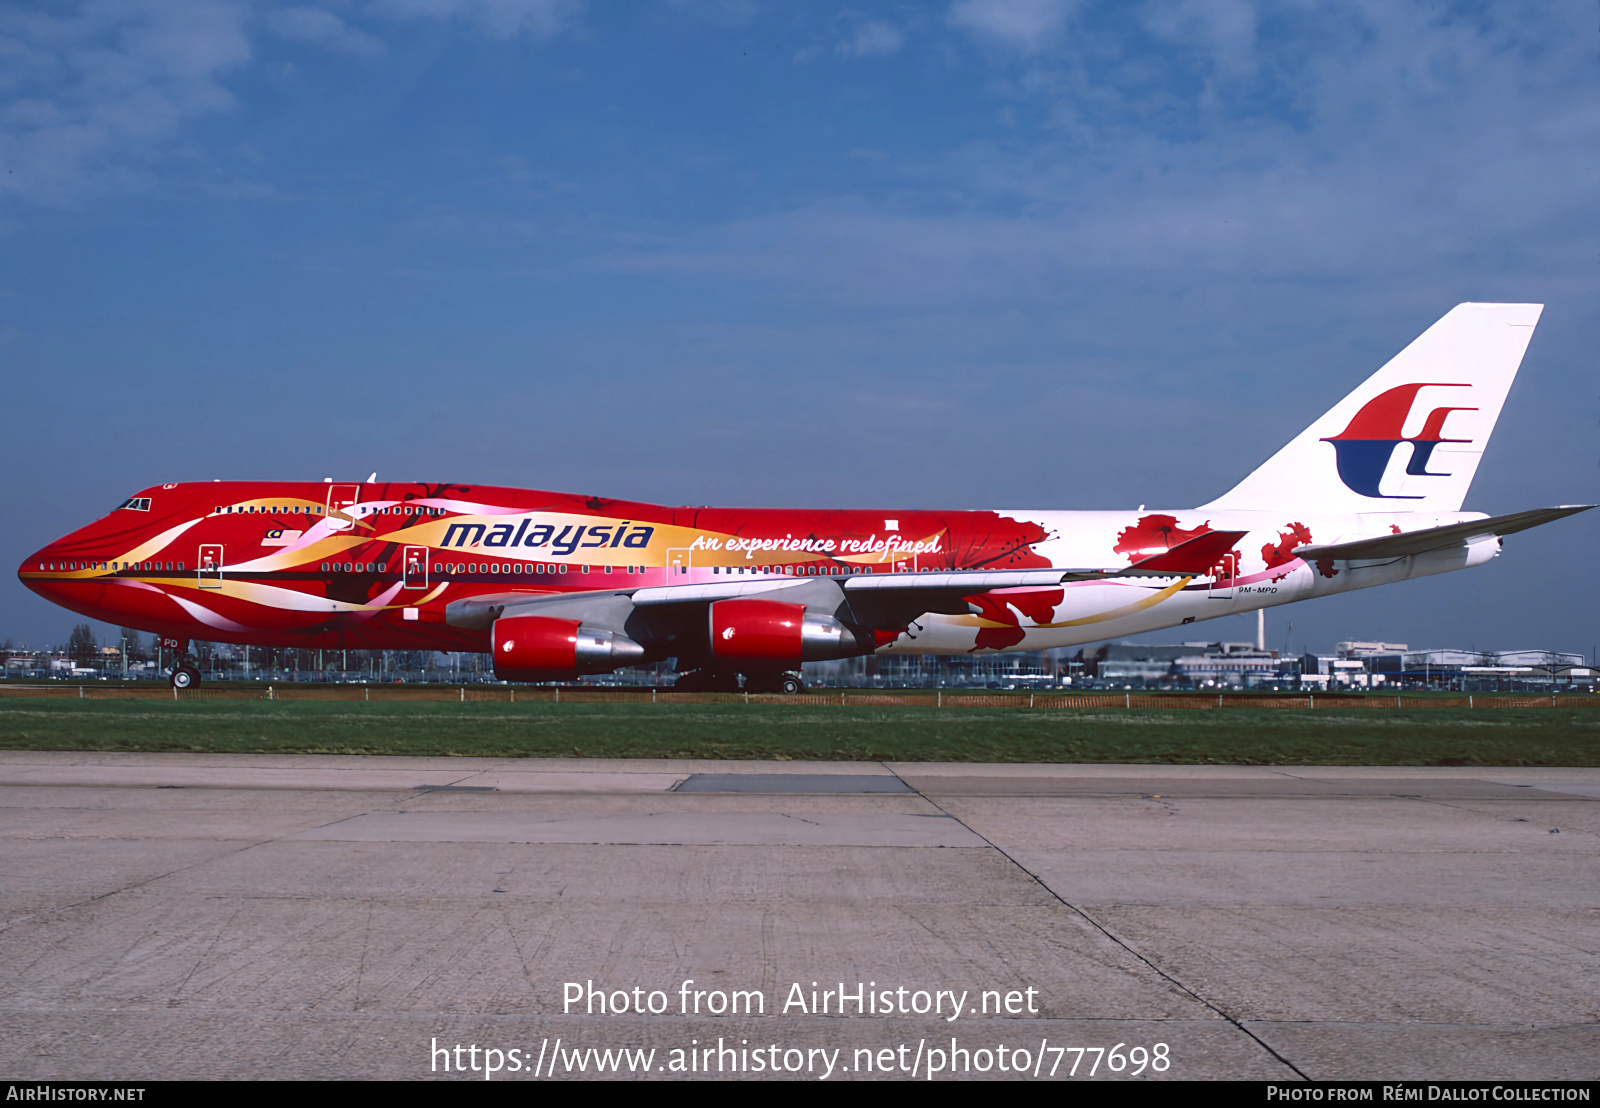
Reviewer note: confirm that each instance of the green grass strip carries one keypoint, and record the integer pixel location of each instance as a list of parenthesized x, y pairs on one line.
[(1237, 736)]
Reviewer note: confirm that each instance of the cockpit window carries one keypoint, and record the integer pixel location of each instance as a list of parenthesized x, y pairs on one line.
[(136, 504)]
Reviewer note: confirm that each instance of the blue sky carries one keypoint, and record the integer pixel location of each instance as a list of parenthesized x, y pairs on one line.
[(1027, 253)]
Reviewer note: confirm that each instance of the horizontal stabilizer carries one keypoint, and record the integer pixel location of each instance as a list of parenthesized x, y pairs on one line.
[(1437, 538), (1192, 556)]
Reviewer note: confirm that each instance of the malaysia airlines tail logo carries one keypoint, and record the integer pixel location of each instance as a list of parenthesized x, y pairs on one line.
[(1362, 451)]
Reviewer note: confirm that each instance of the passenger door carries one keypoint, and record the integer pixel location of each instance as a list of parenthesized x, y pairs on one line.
[(210, 566), (416, 567)]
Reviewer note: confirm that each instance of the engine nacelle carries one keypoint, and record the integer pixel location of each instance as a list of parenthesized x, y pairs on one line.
[(542, 648), (752, 630)]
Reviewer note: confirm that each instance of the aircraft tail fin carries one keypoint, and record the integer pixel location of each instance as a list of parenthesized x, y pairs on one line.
[(1409, 439)]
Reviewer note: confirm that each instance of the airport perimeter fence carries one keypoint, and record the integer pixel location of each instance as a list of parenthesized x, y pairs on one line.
[(510, 694)]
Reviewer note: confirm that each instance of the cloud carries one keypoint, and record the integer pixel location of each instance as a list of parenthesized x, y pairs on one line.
[(871, 38), (1371, 146), (94, 96), (1226, 29), (1023, 25), (502, 19), (322, 28)]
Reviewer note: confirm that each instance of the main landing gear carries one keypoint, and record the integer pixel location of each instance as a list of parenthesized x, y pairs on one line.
[(789, 682), (186, 671)]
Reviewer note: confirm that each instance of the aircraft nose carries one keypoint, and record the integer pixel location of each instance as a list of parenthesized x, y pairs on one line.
[(37, 573)]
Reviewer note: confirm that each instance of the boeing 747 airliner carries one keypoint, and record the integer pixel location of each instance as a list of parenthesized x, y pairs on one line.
[(555, 585)]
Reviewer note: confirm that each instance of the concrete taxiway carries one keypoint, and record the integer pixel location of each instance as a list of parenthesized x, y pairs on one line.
[(242, 916)]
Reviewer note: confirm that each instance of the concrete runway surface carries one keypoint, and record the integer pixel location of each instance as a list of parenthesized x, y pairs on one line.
[(258, 916)]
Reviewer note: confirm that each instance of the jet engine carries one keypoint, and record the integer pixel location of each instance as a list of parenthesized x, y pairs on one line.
[(752, 630), (543, 648)]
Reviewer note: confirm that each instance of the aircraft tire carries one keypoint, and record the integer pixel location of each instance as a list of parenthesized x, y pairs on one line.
[(184, 677), (791, 683)]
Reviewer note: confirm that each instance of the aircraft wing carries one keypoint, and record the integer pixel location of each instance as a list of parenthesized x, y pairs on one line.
[(1438, 538), (885, 599), (1193, 557), (607, 608), (893, 599)]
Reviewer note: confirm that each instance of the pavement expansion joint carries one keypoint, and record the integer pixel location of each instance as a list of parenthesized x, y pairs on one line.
[(1125, 946)]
